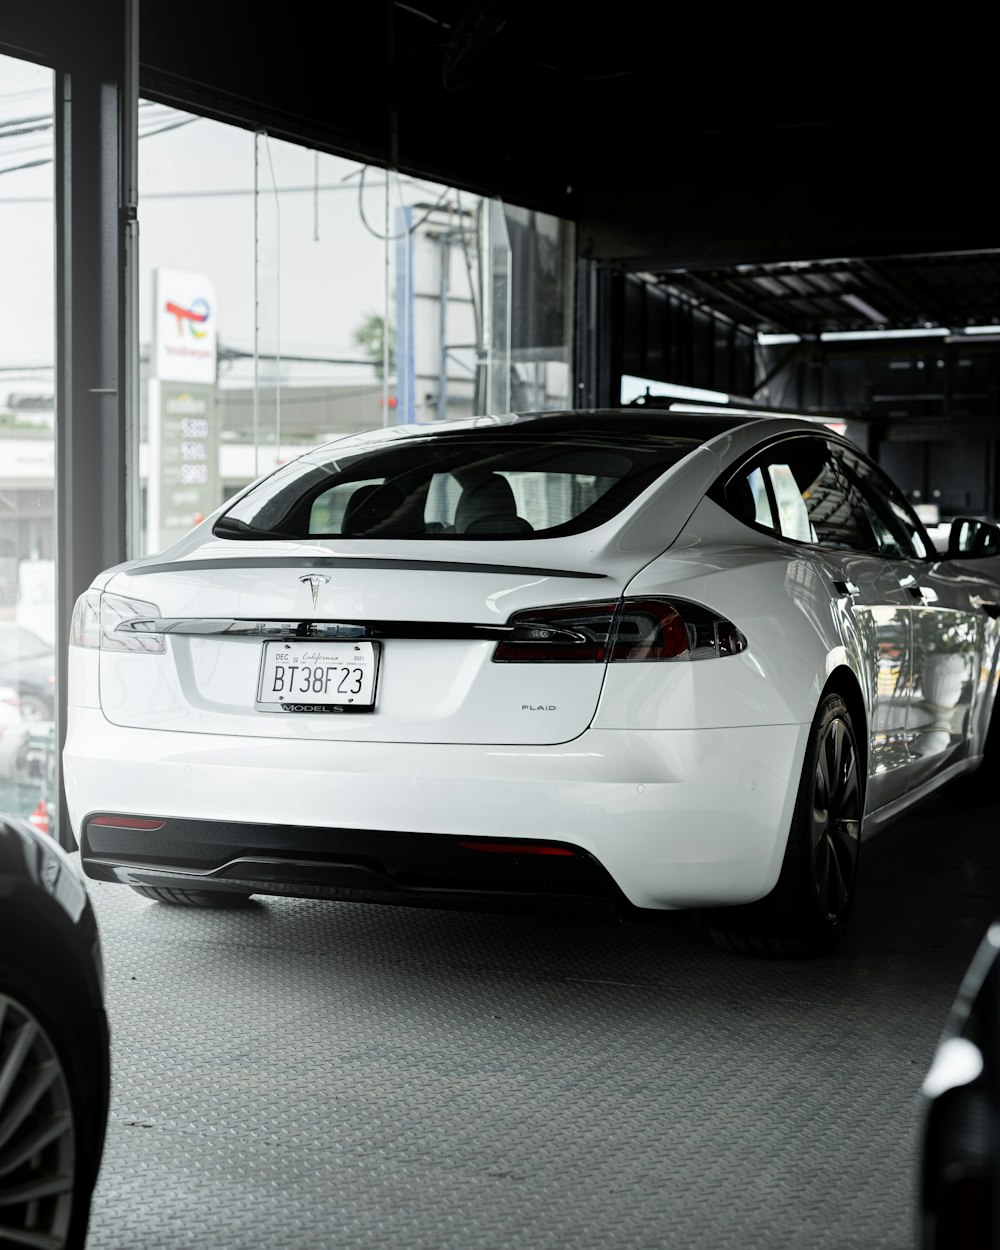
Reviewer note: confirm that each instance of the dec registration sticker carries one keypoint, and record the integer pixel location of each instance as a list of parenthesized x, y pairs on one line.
[(318, 677)]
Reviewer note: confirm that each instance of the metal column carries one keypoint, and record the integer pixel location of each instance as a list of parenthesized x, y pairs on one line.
[(94, 220)]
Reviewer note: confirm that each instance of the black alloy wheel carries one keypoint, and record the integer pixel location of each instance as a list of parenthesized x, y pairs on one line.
[(806, 913), (835, 821)]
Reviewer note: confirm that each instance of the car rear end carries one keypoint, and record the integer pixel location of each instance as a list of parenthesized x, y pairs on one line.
[(379, 674)]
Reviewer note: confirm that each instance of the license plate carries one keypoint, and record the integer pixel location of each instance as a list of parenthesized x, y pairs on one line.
[(318, 677)]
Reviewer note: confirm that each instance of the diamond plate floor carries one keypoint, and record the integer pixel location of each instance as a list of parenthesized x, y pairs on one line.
[(322, 1075)]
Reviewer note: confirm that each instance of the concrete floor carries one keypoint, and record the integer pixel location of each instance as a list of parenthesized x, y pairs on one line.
[(315, 1075)]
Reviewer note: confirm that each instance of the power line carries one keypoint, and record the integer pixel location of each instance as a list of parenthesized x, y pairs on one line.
[(46, 118), (47, 160), (203, 194), (12, 169)]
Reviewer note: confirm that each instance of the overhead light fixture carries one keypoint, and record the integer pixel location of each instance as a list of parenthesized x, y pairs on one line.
[(842, 336), (774, 340), (636, 388), (981, 329), (872, 314)]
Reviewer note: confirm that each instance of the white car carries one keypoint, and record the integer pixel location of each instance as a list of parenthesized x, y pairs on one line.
[(627, 660)]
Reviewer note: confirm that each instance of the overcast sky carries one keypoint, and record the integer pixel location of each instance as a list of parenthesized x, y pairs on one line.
[(196, 213)]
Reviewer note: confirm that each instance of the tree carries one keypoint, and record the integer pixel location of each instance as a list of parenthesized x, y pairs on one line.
[(368, 335)]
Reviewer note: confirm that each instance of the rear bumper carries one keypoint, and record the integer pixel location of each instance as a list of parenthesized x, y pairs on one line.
[(661, 819), (359, 865)]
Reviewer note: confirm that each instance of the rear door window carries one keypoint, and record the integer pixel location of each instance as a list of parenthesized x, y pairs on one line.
[(899, 533), (796, 489)]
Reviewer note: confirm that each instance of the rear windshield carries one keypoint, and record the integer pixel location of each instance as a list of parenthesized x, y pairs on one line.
[(472, 485)]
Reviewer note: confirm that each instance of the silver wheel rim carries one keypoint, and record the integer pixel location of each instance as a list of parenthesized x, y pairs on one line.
[(37, 1142)]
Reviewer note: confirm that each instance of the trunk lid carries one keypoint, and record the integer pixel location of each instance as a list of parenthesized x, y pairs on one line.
[(433, 610)]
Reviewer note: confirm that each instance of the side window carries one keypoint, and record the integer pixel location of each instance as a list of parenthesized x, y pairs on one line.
[(747, 496), (899, 533), (793, 495), (761, 500), (796, 489)]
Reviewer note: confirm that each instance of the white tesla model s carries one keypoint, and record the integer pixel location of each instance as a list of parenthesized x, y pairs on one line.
[(633, 660)]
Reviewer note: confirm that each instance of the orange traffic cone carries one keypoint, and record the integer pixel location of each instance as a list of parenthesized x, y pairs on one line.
[(40, 817)]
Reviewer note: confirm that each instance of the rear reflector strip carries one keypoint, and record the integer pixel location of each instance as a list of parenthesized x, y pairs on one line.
[(126, 822), (515, 848)]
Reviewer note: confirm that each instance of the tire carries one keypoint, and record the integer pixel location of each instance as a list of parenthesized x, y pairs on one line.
[(194, 898), (54, 1151), (806, 913)]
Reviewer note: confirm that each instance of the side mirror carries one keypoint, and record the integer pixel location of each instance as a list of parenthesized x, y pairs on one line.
[(972, 538)]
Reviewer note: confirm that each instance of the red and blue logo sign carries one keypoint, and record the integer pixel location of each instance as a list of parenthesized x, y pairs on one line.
[(194, 317)]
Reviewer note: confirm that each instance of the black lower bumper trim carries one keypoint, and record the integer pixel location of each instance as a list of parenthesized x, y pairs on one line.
[(358, 865)]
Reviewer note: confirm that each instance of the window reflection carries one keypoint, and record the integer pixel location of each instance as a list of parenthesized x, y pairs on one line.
[(27, 429)]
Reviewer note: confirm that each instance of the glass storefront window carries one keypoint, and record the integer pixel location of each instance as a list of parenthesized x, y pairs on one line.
[(288, 296), (27, 444)]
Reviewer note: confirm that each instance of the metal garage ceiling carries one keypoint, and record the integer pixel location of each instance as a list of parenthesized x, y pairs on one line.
[(809, 298), (736, 156)]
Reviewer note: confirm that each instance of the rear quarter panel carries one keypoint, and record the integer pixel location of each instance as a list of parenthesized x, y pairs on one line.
[(779, 596)]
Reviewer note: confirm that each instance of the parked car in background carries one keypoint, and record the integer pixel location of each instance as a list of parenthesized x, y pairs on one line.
[(14, 736), (54, 1047), (642, 661), (960, 1165), (28, 663)]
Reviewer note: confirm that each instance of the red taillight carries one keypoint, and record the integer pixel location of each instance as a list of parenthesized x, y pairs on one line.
[(126, 822), (650, 628), (514, 848)]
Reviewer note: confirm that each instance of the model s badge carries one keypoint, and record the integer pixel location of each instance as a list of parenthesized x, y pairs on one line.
[(315, 580)]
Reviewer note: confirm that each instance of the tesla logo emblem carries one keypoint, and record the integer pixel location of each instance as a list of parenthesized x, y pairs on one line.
[(315, 580)]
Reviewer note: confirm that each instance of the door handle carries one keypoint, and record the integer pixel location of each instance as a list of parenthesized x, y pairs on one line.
[(846, 588)]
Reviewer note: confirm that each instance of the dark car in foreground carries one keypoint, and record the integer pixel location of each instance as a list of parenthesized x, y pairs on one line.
[(960, 1176), (54, 1046)]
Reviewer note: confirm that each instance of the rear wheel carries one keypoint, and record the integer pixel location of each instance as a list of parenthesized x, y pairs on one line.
[(194, 898), (806, 913)]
